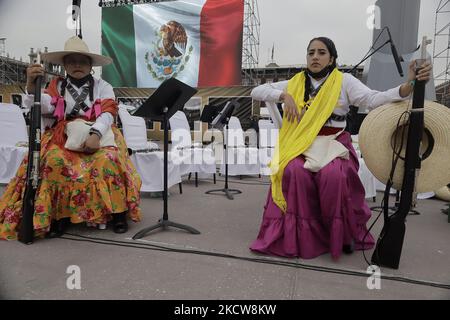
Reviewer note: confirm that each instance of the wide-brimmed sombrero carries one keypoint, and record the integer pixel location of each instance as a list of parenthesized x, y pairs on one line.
[(443, 193), (75, 45), (377, 136)]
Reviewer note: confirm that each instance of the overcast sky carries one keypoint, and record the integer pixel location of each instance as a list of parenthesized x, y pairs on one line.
[(289, 24)]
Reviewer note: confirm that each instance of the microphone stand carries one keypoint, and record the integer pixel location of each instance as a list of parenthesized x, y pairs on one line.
[(228, 192), (371, 54), (224, 118)]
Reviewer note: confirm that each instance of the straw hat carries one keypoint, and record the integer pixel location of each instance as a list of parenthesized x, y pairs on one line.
[(443, 193), (75, 45), (376, 136)]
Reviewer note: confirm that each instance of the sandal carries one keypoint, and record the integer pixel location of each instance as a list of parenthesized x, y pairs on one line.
[(119, 222)]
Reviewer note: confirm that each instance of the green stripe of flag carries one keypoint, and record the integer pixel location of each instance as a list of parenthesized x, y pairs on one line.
[(118, 42)]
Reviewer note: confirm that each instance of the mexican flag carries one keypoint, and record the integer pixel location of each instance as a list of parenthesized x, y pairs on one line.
[(199, 42)]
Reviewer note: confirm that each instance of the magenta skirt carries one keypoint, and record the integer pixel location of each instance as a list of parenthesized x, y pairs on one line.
[(325, 211)]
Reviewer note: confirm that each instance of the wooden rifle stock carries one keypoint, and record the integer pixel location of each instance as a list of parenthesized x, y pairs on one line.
[(390, 242), (26, 231)]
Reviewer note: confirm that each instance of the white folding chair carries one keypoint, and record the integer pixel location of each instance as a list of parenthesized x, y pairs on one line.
[(268, 136), (275, 114), (192, 157), (13, 130), (241, 160), (149, 163), (135, 131), (367, 178)]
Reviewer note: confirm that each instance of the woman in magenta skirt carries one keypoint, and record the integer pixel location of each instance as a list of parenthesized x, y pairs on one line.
[(309, 210)]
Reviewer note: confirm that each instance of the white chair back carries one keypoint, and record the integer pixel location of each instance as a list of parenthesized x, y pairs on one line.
[(134, 130), (126, 107), (274, 114), (180, 130), (13, 128), (124, 111), (268, 134), (235, 136)]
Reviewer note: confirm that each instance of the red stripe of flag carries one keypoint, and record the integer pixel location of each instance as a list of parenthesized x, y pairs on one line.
[(221, 25)]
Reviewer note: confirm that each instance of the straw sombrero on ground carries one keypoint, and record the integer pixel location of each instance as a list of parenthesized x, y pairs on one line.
[(75, 45), (443, 193), (377, 135)]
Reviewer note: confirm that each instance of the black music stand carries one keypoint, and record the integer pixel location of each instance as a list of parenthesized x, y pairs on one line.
[(170, 97), (219, 122)]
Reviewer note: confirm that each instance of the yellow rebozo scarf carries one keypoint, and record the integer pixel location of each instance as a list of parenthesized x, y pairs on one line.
[(294, 138)]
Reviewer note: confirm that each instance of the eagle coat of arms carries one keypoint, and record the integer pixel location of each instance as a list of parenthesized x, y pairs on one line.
[(169, 54)]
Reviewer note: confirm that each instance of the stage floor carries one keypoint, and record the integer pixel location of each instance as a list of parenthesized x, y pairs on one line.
[(107, 271)]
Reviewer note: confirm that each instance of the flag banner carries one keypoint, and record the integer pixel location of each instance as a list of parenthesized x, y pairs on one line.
[(199, 42)]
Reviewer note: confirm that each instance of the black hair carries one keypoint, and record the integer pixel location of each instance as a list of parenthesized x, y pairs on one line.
[(333, 53), (330, 46)]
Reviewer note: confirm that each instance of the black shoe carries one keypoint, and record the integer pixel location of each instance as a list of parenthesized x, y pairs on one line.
[(119, 222), (349, 248), (58, 227)]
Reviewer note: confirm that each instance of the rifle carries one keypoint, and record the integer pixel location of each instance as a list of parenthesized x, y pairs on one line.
[(26, 231), (390, 242)]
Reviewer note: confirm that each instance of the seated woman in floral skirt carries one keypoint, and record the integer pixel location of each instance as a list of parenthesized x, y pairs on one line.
[(94, 185)]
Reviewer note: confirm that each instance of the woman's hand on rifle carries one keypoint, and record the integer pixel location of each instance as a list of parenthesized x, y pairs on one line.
[(424, 74), (33, 71)]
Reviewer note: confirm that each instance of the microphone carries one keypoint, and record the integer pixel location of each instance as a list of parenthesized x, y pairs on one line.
[(397, 59), (76, 5)]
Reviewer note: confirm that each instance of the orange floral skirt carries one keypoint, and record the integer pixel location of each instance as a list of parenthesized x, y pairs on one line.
[(82, 187)]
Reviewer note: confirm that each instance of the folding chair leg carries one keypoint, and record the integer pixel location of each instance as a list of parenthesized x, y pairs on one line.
[(181, 188), (196, 179)]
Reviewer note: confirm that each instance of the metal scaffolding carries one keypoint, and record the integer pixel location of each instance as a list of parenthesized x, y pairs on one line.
[(2, 47), (441, 48), (441, 51), (250, 43), (12, 71)]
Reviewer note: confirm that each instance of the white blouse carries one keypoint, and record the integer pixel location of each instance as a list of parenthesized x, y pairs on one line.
[(102, 90), (353, 92)]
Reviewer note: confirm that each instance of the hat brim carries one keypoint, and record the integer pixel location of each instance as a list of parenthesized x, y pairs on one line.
[(443, 193), (376, 138), (57, 57)]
